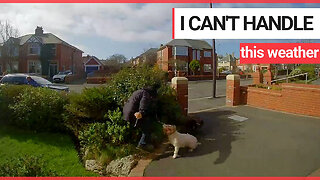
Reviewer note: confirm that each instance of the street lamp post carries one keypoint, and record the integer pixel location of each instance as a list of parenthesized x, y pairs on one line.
[(214, 64)]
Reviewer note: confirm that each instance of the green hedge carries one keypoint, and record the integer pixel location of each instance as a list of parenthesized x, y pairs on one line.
[(39, 109), (8, 93)]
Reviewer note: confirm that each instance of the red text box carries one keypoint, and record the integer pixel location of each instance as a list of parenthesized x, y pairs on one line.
[(279, 53)]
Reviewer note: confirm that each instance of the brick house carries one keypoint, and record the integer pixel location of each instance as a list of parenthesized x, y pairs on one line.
[(40, 53), (228, 62), (178, 53), (148, 57), (91, 64)]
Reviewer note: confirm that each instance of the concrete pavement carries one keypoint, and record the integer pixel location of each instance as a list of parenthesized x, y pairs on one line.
[(268, 143), (317, 82)]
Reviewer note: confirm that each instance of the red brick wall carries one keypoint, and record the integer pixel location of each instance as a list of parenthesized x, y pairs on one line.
[(66, 55), (182, 94), (293, 98), (233, 90)]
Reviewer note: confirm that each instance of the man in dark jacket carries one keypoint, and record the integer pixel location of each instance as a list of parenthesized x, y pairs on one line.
[(138, 111)]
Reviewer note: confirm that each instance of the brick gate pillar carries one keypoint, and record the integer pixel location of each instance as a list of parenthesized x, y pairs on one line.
[(257, 76), (180, 84), (233, 90), (268, 76)]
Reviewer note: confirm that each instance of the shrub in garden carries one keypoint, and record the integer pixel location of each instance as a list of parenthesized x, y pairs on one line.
[(129, 80), (117, 129), (93, 139), (168, 108), (102, 140), (194, 66), (89, 106), (26, 166), (39, 109), (304, 68), (8, 93)]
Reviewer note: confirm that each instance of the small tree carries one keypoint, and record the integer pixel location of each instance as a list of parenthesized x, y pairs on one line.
[(10, 47), (194, 66)]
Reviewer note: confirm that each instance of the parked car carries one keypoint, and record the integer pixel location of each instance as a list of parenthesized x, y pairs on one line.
[(226, 72), (35, 81), (60, 77)]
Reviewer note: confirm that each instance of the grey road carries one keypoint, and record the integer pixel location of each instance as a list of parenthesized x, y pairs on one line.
[(79, 87), (266, 144)]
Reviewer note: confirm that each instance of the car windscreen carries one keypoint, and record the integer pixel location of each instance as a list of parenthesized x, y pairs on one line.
[(64, 73), (14, 80), (40, 80)]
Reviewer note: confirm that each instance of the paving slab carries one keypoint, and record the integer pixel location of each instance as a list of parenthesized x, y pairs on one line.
[(268, 143)]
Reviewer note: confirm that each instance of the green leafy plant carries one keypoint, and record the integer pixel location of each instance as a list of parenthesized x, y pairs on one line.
[(304, 68), (26, 166), (194, 66), (129, 80), (93, 139), (8, 93), (89, 106), (117, 128), (39, 109)]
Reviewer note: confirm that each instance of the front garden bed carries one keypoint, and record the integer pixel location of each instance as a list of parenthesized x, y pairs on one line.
[(92, 118)]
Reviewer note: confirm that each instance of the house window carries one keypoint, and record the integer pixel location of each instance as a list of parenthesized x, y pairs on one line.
[(54, 50), (207, 53), (180, 51), (34, 67), (196, 54), (207, 68), (34, 49), (16, 51)]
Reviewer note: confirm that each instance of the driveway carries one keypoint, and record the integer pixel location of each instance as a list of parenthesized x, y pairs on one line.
[(267, 143)]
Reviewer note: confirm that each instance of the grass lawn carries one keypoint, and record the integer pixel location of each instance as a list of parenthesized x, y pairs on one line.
[(56, 149)]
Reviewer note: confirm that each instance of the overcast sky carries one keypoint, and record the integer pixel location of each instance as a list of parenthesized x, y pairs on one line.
[(106, 29)]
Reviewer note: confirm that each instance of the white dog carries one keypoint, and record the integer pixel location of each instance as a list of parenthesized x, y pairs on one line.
[(179, 140)]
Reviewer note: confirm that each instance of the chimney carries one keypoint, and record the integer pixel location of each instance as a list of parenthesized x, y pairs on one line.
[(161, 45), (39, 31)]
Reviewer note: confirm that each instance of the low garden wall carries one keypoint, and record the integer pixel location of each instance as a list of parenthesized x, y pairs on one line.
[(293, 98), (71, 78), (97, 80)]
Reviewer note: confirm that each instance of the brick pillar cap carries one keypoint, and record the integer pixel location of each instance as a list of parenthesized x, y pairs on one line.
[(179, 80), (233, 77)]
